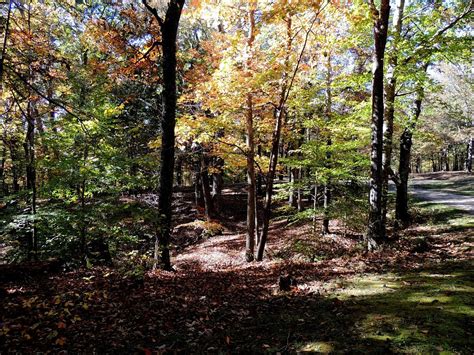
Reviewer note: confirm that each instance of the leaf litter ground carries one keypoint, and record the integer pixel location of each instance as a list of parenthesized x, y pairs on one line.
[(411, 296)]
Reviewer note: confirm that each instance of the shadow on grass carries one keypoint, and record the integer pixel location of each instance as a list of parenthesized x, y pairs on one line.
[(448, 218), (425, 312)]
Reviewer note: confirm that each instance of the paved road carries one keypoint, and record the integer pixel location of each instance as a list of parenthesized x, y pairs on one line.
[(462, 202)]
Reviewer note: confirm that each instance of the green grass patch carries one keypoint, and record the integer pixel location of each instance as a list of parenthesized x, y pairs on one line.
[(436, 214)]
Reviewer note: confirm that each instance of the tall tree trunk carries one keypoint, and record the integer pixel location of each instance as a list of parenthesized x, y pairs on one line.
[(270, 178), (401, 208), (169, 32), (4, 44), (376, 227), (251, 181), (327, 185), (29, 146), (279, 113), (82, 199), (389, 112), (30, 155), (278, 116)]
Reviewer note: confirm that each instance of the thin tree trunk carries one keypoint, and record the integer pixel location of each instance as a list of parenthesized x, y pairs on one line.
[(13, 157), (293, 180), (169, 32), (401, 208), (206, 188), (279, 116), (327, 185), (270, 178), (418, 165), (31, 175), (251, 181), (83, 221), (315, 205), (30, 156), (376, 228), (299, 194), (455, 159), (260, 191), (470, 152), (4, 45), (217, 183)]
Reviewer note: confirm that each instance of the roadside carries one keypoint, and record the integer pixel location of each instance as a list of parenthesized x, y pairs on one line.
[(452, 189)]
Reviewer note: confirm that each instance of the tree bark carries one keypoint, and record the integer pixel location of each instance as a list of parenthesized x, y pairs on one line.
[(251, 181), (389, 112), (401, 208), (470, 152), (206, 187), (376, 227), (278, 117), (169, 32), (327, 185), (15, 168), (4, 44)]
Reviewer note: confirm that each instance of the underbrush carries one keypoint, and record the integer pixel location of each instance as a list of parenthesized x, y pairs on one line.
[(100, 232)]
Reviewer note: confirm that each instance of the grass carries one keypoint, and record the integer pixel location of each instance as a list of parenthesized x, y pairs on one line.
[(436, 214), (418, 312), (430, 311)]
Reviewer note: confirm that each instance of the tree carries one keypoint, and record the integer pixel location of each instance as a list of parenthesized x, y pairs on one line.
[(288, 79), (252, 225), (420, 59), (169, 31), (390, 94), (376, 227)]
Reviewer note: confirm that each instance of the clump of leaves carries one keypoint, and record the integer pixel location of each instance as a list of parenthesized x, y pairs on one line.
[(211, 228)]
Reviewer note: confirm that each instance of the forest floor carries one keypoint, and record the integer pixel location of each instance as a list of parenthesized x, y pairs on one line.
[(415, 295)]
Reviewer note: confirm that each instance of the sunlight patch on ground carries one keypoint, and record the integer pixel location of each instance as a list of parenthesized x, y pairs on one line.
[(366, 285), (420, 298), (317, 346)]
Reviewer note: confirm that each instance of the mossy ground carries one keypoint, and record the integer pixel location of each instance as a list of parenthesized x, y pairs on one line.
[(427, 310)]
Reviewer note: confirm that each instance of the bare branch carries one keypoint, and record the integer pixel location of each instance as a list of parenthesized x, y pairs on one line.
[(154, 12)]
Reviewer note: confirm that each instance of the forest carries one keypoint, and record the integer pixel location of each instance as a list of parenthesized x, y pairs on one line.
[(236, 176)]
